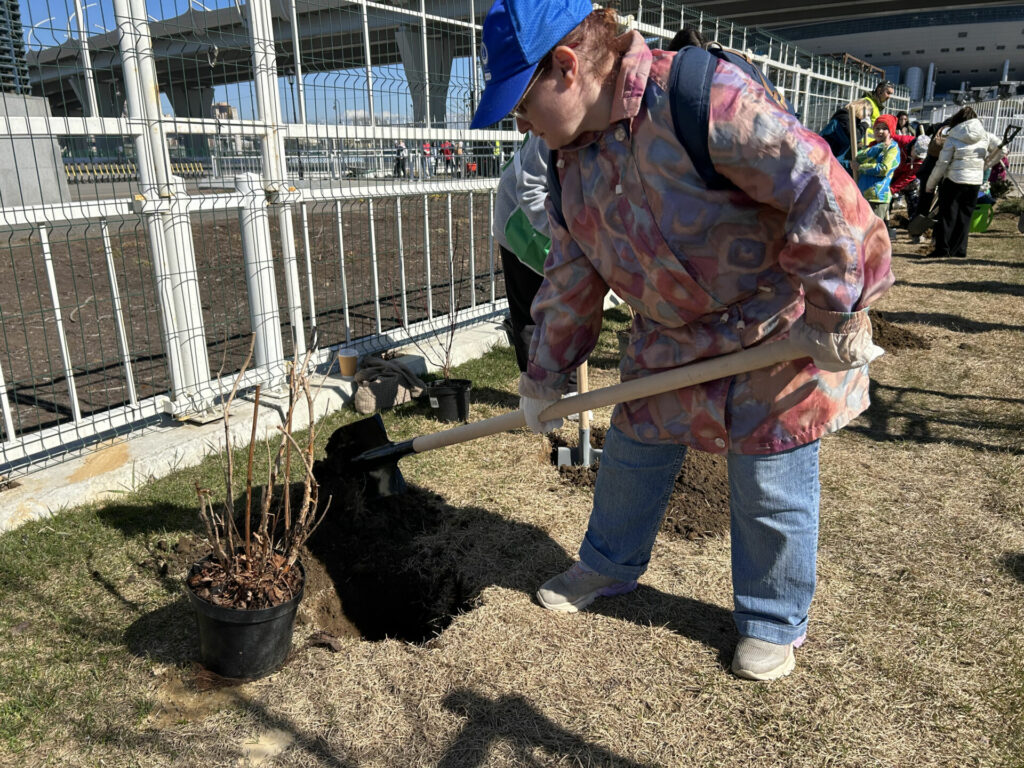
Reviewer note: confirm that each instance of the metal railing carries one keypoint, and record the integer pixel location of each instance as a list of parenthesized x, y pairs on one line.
[(140, 250)]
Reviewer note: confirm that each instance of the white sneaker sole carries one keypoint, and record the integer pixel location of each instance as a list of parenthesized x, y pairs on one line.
[(772, 674), (583, 602)]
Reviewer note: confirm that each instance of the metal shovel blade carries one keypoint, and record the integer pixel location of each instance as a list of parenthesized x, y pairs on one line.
[(362, 452), (920, 224)]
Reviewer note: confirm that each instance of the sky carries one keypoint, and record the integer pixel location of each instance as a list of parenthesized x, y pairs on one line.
[(338, 96)]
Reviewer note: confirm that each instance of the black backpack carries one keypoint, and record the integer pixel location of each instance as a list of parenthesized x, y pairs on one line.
[(689, 85)]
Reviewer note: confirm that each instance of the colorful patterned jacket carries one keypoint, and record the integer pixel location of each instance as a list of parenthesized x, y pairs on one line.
[(876, 166), (708, 272)]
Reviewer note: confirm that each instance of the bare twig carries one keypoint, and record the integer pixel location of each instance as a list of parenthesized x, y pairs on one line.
[(248, 477)]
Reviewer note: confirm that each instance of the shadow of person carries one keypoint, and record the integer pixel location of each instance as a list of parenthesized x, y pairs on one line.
[(167, 635), (404, 566), (516, 722)]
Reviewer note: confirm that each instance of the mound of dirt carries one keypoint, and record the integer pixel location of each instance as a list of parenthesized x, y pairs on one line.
[(891, 336), (697, 508)]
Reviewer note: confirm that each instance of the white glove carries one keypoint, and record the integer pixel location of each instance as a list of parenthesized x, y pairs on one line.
[(836, 351), (532, 407)]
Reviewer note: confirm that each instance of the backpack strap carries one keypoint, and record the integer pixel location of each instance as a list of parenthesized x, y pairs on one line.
[(689, 86), (555, 187)]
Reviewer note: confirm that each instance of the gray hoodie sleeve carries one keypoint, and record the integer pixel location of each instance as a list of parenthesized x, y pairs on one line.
[(532, 183)]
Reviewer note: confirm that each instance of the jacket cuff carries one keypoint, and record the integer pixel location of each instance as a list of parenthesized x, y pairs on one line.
[(835, 322), (541, 384)]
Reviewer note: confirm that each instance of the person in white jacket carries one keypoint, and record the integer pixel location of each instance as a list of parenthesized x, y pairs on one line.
[(967, 155)]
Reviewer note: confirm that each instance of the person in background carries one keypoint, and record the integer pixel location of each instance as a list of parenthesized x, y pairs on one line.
[(425, 161), (999, 179), (837, 132), (964, 162), (460, 159), (521, 230), (791, 251), (684, 37), (401, 156), (903, 127), (876, 166), (876, 99), (448, 155), (904, 181)]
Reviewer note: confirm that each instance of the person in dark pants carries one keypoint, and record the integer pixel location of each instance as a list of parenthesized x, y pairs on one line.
[(521, 284), (967, 155), (521, 231), (953, 225)]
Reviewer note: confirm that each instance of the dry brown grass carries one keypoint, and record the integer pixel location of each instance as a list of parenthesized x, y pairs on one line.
[(915, 655)]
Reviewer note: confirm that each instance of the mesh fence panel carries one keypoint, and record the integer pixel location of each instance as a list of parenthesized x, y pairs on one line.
[(186, 174)]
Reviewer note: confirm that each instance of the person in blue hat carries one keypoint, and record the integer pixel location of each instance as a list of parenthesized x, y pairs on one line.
[(785, 247)]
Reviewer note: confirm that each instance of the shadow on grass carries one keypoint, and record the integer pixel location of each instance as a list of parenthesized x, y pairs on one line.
[(1013, 562), (949, 322), (512, 719), (500, 398), (403, 567), (983, 286), (886, 408)]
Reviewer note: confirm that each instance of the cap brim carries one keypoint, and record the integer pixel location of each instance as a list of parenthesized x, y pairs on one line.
[(500, 98)]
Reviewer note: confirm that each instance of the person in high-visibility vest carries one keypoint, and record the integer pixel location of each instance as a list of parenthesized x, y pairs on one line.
[(877, 98)]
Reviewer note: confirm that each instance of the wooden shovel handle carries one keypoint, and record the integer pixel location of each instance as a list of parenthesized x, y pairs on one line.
[(713, 368), (583, 386)]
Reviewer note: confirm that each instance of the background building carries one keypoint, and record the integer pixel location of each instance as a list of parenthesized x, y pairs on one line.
[(932, 50)]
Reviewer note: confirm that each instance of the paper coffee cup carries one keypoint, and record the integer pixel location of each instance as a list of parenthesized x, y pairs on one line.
[(347, 361)]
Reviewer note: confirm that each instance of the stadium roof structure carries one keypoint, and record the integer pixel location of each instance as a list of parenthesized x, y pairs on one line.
[(959, 45)]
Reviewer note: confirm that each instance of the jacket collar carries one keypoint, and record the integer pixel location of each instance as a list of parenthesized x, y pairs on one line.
[(630, 84)]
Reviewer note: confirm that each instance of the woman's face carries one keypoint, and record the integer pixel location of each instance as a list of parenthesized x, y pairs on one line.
[(555, 108)]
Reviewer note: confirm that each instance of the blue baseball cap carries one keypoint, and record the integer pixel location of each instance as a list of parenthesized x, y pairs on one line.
[(517, 35)]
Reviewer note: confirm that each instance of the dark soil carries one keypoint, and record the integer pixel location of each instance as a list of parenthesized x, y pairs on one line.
[(320, 606), (252, 583), (699, 505), (30, 349), (891, 336)]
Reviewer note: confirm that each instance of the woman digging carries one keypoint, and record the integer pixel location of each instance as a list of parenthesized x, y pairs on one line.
[(789, 248)]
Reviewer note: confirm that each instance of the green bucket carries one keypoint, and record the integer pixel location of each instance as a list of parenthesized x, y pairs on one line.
[(981, 217)]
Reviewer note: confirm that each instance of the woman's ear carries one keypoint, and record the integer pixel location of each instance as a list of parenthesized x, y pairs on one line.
[(566, 63)]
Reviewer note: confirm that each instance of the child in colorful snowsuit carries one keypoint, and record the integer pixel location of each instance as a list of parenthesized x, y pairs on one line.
[(876, 166)]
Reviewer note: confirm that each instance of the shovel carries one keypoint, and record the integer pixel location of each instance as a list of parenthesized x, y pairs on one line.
[(366, 455)]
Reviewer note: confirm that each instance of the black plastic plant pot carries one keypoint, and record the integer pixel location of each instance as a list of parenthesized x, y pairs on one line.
[(450, 399), (245, 644)]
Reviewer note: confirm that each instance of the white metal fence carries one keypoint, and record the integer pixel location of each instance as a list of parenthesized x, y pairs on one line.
[(177, 176)]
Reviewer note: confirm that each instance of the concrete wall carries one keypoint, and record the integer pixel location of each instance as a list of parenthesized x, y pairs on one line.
[(31, 169)]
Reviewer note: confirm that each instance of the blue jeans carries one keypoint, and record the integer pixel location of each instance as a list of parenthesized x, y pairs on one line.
[(773, 502)]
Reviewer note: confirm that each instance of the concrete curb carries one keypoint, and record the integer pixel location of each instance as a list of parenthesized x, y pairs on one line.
[(114, 468)]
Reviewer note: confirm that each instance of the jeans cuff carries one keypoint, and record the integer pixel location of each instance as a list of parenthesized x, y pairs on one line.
[(769, 631), (598, 562)]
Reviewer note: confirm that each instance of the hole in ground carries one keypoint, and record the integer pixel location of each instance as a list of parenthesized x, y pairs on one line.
[(378, 558), (697, 508)]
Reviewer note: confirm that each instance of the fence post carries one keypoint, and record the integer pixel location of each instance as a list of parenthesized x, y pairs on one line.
[(148, 139), (184, 283), (259, 272), (275, 171)]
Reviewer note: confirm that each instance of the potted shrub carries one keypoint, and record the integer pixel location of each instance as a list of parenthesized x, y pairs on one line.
[(246, 591)]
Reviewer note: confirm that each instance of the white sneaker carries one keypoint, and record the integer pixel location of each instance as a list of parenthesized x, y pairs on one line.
[(760, 660), (578, 587)]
